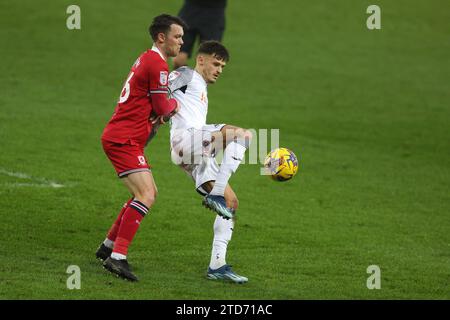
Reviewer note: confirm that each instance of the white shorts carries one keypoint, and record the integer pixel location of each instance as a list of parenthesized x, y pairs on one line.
[(191, 149)]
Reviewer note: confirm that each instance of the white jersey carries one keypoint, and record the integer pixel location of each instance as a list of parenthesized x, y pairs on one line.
[(190, 136), (190, 90)]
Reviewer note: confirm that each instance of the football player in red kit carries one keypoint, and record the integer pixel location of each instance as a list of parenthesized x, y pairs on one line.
[(144, 96)]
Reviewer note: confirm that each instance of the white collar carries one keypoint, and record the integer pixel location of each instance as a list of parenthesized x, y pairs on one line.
[(155, 48)]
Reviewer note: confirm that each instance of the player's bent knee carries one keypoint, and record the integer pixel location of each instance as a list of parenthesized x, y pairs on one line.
[(147, 197)]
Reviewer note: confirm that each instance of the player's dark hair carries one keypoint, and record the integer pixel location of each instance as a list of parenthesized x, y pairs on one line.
[(215, 48), (162, 23)]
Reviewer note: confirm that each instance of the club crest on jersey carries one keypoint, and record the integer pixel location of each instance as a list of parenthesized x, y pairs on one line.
[(163, 78)]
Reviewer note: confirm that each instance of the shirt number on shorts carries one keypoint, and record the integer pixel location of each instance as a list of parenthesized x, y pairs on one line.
[(126, 89)]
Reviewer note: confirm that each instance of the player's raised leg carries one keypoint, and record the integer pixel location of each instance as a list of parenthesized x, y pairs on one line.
[(223, 230), (142, 186), (235, 142)]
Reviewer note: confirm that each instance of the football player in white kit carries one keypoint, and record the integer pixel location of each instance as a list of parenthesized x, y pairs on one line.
[(194, 145)]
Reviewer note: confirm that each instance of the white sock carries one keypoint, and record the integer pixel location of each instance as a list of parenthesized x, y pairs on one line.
[(108, 243), (232, 158), (118, 256), (223, 230)]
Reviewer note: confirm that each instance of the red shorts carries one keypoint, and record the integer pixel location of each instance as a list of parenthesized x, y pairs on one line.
[(126, 158)]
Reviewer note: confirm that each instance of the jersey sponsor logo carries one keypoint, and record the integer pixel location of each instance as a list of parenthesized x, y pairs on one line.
[(163, 78)]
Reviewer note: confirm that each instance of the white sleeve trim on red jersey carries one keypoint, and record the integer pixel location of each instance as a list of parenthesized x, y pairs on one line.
[(158, 91)]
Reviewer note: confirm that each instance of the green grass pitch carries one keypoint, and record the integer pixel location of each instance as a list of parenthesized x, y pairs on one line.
[(366, 111)]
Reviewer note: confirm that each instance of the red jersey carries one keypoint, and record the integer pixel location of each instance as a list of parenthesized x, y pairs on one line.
[(145, 90)]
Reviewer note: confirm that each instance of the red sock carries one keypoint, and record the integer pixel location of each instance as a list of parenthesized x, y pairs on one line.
[(131, 220), (112, 233)]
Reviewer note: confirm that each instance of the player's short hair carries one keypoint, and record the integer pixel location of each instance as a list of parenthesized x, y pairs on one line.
[(215, 48), (162, 23)]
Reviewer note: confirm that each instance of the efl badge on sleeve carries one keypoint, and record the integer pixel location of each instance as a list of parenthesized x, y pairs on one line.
[(163, 78), (173, 75)]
